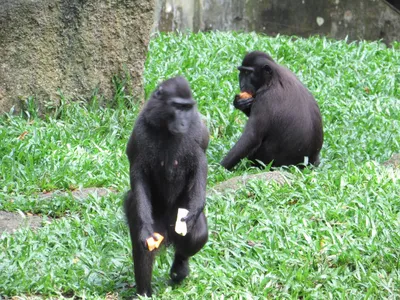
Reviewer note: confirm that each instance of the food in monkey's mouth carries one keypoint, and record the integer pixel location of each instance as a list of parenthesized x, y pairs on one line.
[(245, 95)]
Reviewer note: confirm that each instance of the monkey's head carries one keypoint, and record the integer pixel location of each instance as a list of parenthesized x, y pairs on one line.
[(256, 72), (171, 106)]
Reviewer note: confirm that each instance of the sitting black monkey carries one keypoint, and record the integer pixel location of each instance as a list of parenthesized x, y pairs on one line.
[(168, 170), (284, 125)]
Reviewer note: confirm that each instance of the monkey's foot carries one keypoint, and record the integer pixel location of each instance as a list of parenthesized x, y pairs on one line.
[(180, 269)]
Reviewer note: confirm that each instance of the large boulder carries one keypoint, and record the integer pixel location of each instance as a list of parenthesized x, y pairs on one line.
[(72, 46)]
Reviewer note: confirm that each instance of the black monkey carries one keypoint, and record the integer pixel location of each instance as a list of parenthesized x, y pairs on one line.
[(168, 170), (284, 125)]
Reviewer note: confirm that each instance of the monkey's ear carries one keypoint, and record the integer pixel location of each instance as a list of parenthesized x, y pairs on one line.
[(159, 92), (267, 69)]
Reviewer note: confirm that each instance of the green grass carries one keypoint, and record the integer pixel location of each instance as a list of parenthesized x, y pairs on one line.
[(334, 232)]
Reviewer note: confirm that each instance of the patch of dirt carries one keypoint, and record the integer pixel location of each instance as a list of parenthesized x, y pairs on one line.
[(77, 194), (237, 182), (12, 221), (393, 162)]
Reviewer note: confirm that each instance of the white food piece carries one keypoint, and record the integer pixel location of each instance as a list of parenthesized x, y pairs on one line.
[(180, 227), (306, 160)]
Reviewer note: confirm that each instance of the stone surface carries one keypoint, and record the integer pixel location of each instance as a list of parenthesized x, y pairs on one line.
[(237, 182), (74, 46), (357, 19)]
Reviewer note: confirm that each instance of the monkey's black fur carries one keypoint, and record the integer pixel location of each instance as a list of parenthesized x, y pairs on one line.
[(168, 170), (284, 124)]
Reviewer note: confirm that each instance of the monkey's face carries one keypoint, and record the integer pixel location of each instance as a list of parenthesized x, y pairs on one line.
[(180, 114), (171, 107), (175, 105), (255, 72)]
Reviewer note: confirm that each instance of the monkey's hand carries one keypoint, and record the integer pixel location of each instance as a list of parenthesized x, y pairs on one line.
[(242, 104), (147, 233), (191, 219)]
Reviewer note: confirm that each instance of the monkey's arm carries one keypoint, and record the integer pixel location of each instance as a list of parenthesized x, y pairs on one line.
[(205, 137), (139, 208), (249, 142), (196, 193)]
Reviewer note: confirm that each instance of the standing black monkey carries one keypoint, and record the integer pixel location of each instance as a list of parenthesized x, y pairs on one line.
[(284, 124), (168, 170)]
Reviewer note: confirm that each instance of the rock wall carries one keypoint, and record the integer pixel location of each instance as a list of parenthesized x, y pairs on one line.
[(74, 46), (355, 19)]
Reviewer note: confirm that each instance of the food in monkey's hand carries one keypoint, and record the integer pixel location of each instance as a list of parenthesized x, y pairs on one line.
[(180, 226), (245, 95), (154, 244), (244, 101)]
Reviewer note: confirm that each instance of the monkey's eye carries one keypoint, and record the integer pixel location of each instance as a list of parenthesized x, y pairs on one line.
[(182, 106)]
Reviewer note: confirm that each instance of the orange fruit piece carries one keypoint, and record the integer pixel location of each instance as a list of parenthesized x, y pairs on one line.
[(245, 95), (154, 244)]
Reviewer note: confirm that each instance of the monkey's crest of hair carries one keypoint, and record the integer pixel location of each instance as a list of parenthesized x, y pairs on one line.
[(176, 86), (257, 58), (157, 111), (254, 57), (269, 71)]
